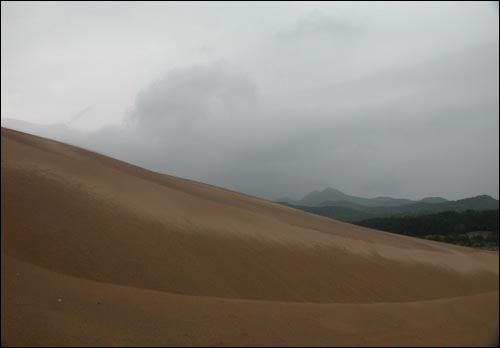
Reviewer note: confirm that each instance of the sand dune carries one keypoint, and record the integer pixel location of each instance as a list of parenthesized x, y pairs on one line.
[(96, 251)]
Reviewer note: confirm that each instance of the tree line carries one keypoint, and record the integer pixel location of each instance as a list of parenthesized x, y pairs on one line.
[(450, 226)]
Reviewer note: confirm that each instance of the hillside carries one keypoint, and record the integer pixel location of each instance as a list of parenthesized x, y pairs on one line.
[(96, 251)]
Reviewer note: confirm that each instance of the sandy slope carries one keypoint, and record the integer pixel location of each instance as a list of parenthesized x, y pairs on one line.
[(137, 257)]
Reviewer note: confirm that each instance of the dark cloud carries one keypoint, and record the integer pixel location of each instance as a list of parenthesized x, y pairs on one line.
[(190, 95)]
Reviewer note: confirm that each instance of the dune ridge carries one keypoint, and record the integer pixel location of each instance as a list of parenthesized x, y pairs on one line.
[(138, 257)]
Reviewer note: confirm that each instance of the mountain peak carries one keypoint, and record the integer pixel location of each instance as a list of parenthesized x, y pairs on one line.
[(433, 200), (480, 197), (331, 190)]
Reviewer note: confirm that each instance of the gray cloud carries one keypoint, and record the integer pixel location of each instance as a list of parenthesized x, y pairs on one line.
[(191, 95), (336, 116)]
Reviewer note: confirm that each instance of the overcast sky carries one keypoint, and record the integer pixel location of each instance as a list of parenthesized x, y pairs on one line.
[(270, 99)]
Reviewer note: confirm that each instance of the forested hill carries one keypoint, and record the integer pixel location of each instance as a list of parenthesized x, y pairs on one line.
[(468, 228)]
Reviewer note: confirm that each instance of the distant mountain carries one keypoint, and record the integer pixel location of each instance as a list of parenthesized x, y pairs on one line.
[(351, 212), (433, 200), (483, 202), (331, 196)]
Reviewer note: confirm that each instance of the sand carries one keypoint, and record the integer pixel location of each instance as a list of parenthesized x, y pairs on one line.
[(96, 251)]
